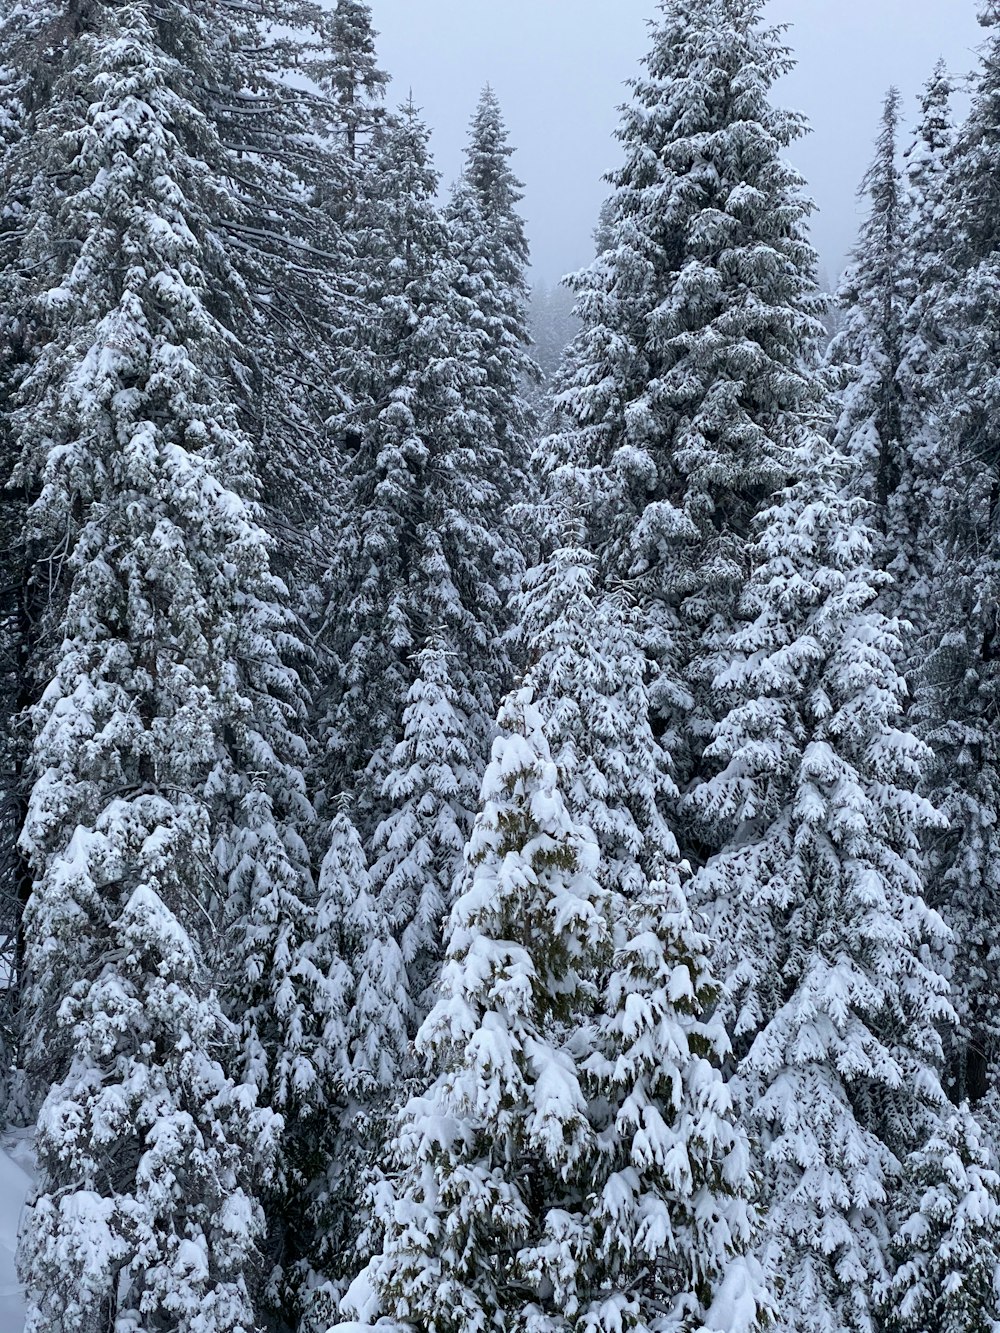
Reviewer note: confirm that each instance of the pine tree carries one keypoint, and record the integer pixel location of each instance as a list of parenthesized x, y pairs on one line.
[(956, 677), (365, 1031), (431, 786), (688, 385), (588, 672), (425, 552), (485, 1152), (869, 350), (948, 1259), (669, 1221), (492, 248), (574, 1163), (166, 792), (825, 946), (355, 80)]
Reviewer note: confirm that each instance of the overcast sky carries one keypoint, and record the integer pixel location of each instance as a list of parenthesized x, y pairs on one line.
[(559, 67)]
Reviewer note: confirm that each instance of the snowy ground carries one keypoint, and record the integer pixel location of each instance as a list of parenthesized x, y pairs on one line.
[(14, 1182)]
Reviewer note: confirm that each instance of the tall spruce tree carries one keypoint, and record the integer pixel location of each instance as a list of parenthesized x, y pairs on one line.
[(957, 683), (825, 945), (868, 351), (689, 384), (492, 248), (425, 558), (166, 795)]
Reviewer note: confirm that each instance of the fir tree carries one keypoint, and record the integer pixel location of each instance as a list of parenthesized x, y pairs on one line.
[(166, 788), (492, 249), (956, 676), (668, 1224), (688, 385), (870, 348), (424, 551), (356, 82), (466, 1235), (948, 1274), (824, 941), (561, 1173)]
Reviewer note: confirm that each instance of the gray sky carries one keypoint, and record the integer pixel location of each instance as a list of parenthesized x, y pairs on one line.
[(559, 67)]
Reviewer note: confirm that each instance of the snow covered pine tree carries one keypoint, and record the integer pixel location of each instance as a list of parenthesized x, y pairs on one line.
[(574, 1163), (824, 942), (688, 384), (166, 790)]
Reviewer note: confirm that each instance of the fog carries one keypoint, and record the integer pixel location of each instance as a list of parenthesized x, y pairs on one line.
[(560, 67)]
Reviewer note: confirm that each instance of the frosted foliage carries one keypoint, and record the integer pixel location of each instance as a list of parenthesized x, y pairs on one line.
[(825, 946), (157, 1225), (689, 382), (948, 1263), (589, 674)]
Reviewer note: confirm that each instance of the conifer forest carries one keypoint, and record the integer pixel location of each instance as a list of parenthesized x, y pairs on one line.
[(498, 833)]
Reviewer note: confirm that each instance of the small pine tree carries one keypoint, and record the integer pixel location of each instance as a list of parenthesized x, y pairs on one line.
[(948, 1257)]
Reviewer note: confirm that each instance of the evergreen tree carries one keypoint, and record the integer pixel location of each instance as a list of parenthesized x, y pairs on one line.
[(365, 1031), (166, 792), (356, 82), (948, 1274), (425, 552), (484, 1154), (430, 787), (869, 350), (688, 385), (666, 1229), (824, 941), (561, 1173), (588, 672), (493, 250), (956, 675)]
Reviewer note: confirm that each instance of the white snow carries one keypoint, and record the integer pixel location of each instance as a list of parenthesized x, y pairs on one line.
[(14, 1183)]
